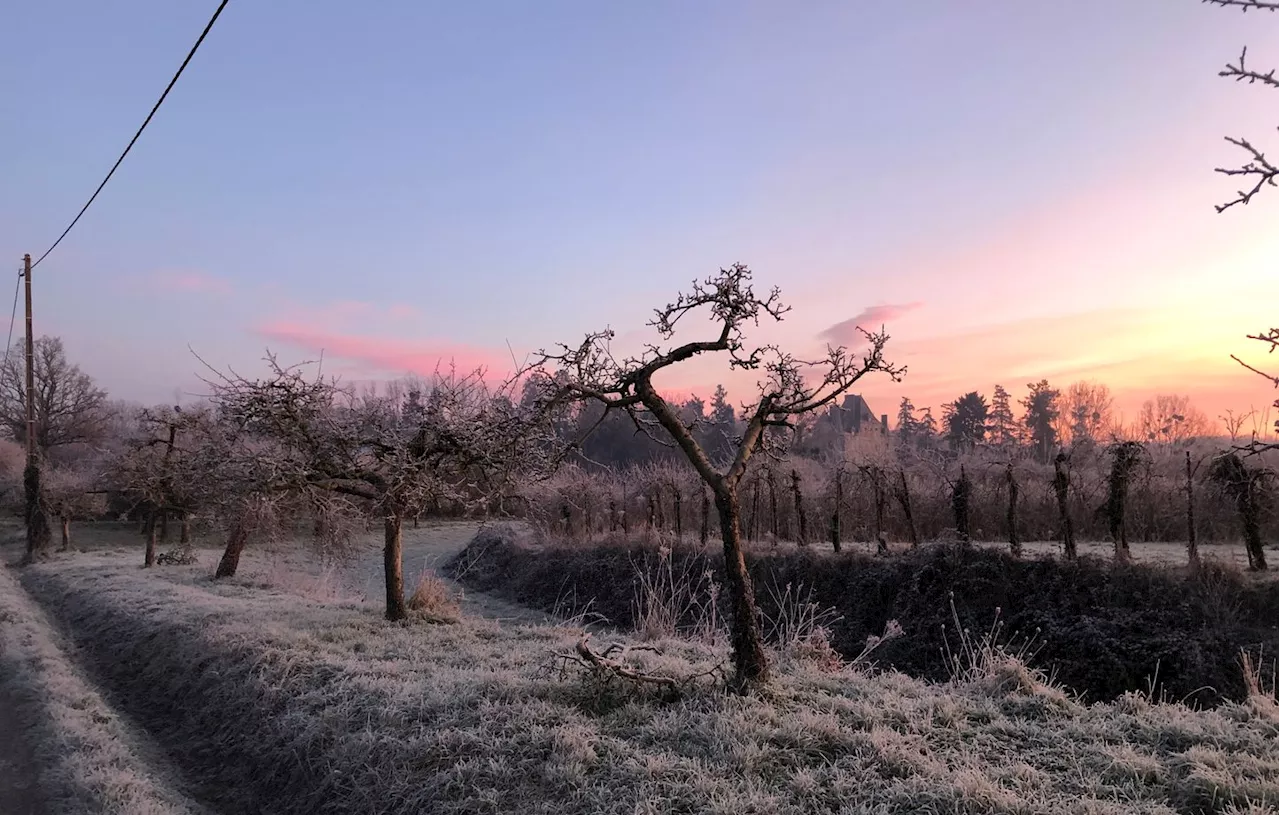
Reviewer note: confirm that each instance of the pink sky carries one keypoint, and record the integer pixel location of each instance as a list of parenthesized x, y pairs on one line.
[(1017, 191)]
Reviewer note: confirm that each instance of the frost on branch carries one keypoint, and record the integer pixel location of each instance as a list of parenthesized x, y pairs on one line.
[(450, 442), (1257, 171), (1271, 338), (787, 387)]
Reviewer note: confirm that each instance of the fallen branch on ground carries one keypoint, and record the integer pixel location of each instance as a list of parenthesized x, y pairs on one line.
[(604, 665)]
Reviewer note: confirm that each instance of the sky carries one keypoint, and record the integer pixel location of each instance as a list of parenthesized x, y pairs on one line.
[(1015, 190)]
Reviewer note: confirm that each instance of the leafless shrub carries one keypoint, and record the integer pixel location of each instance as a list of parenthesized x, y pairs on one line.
[(799, 627), (670, 601), (996, 665)]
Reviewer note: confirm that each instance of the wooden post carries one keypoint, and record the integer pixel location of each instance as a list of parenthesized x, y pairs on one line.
[(1193, 552), (1015, 545), (835, 511), (31, 368), (38, 532), (1061, 485), (802, 526)]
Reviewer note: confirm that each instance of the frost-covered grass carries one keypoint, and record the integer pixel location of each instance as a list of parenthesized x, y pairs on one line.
[(89, 760), (278, 703)]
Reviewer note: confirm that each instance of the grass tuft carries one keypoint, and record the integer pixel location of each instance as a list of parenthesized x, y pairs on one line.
[(432, 599)]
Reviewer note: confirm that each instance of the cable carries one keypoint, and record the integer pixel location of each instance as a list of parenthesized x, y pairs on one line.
[(172, 82), (13, 318)]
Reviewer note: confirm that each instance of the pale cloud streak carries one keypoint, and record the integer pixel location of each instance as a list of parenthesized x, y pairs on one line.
[(394, 356), (190, 281), (846, 332)]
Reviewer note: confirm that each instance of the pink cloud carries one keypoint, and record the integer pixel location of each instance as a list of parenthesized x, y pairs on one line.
[(846, 332), (387, 355), (191, 281), (344, 313)]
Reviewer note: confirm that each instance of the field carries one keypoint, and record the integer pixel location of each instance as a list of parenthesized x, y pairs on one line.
[(282, 690)]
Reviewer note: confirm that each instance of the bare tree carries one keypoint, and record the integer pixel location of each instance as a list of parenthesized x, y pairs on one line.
[(1256, 445), (1086, 413), (1257, 169), (465, 444), (166, 465), (1170, 418), (71, 494), (70, 408), (789, 387)]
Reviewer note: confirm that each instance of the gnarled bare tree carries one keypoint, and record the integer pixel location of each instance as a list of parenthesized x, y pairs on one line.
[(463, 444), (788, 387), (1257, 170)]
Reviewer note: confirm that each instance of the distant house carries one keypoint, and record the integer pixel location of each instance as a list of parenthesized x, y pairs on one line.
[(854, 415)]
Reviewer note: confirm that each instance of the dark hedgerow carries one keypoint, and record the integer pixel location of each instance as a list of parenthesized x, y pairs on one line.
[(1102, 629)]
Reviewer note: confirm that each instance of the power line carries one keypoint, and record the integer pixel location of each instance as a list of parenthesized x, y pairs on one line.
[(13, 318), (159, 102)]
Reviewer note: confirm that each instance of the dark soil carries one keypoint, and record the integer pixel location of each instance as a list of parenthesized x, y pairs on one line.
[(1100, 629)]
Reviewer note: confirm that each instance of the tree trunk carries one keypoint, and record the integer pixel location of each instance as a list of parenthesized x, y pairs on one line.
[(184, 535), (1193, 552), (1115, 518), (801, 521), (773, 505), (678, 507), (149, 559), (1015, 545), (1248, 509), (705, 531), (754, 530), (751, 663), (1061, 486), (904, 498), (66, 532), (164, 526), (835, 511), (877, 491), (613, 515), (237, 537), (393, 566), (960, 505), (39, 536)]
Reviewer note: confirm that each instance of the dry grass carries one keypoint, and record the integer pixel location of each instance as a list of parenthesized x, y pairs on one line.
[(433, 600), (89, 759), (309, 707)]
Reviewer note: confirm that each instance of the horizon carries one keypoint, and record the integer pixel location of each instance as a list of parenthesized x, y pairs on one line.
[(476, 183)]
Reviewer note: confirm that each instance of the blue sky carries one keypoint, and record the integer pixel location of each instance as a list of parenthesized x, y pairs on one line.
[(394, 181)]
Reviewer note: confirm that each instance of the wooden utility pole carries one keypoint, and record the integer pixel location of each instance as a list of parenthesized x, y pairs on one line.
[(38, 533), (31, 367)]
